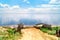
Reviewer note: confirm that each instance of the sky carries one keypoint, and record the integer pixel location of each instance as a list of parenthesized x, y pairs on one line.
[(29, 11)]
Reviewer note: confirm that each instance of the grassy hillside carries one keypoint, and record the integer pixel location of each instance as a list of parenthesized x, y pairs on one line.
[(51, 32), (8, 34)]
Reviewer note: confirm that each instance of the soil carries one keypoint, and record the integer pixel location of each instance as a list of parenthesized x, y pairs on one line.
[(36, 34)]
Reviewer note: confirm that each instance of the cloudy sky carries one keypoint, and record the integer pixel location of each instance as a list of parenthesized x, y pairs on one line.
[(29, 11)]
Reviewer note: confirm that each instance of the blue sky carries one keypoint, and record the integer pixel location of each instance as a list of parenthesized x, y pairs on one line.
[(29, 3), (46, 11), (24, 3)]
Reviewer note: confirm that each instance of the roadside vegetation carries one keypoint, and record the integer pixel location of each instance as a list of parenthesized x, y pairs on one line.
[(9, 34), (51, 32)]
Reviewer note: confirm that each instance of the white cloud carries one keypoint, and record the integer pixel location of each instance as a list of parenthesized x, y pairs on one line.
[(42, 17), (31, 10), (15, 12), (39, 14), (48, 6), (12, 9), (15, 7), (44, 10), (54, 2), (20, 10), (4, 5), (16, 17), (26, 1), (9, 7), (51, 4), (8, 17)]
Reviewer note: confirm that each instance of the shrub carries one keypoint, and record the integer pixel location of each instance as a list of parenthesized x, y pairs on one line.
[(10, 35), (44, 29), (51, 32)]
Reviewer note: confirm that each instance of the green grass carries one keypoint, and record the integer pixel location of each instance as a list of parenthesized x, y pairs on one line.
[(44, 29), (9, 35), (51, 32)]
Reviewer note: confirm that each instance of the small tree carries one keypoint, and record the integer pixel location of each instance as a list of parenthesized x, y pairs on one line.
[(20, 26)]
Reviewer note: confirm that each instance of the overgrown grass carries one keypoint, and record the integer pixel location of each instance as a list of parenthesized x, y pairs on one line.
[(9, 35), (51, 32)]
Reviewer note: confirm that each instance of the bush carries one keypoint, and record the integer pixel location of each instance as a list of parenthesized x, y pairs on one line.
[(54, 28), (44, 29), (11, 31), (10, 35), (51, 32)]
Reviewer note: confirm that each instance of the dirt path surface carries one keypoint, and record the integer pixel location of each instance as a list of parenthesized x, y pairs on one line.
[(35, 34)]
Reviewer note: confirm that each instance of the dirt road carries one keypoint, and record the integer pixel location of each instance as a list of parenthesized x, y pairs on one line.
[(35, 34)]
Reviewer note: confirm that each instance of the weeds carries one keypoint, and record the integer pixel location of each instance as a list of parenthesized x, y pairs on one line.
[(9, 35), (51, 32)]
